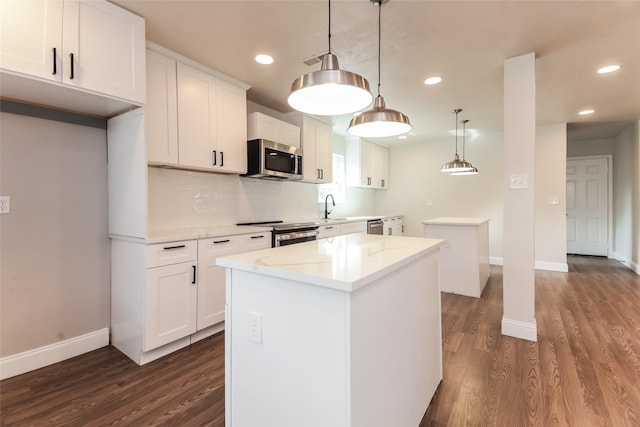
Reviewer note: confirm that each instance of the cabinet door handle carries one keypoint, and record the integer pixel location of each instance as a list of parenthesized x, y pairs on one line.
[(193, 282), (71, 75), (55, 68), (214, 157), (167, 248), (215, 242), (321, 173), (383, 182), (368, 181), (221, 158), (257, 237)]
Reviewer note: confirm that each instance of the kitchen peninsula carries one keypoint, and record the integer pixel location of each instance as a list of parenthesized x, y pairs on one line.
[(344, 331)]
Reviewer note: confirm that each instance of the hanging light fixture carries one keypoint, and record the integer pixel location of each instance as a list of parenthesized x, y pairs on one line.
[(473, 170), (456, 165), (379, 121), (330, 91)]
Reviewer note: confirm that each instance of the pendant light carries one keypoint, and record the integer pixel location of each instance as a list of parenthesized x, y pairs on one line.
[(379, 121), (456, 165), (330, 91), (474, 170)]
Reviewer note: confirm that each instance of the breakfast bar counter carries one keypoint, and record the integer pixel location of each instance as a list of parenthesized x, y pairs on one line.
[(341, 332)]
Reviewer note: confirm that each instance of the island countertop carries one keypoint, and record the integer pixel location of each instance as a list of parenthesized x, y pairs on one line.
[(343, 262)]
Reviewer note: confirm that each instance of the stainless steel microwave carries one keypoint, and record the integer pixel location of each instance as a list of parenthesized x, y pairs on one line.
[(272, 160)]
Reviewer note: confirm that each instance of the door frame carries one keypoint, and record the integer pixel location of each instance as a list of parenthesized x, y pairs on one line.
[(609, 159)]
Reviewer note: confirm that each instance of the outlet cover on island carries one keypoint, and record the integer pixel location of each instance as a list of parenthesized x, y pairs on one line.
[(5, 204)]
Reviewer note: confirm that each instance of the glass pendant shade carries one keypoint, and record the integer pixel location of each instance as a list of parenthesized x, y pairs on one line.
[(330, 91), (379, 122)]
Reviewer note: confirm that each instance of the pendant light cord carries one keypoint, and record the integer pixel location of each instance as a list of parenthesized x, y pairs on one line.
[(379, 40), (329, 26), (456, 111), (464, 133)]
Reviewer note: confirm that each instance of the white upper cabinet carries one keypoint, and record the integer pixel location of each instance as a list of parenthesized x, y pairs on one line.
[(94, 46), (161, 111), (231, 141), (367, 164), (31, 38), (317, 148), (261, 126), (212, 123)]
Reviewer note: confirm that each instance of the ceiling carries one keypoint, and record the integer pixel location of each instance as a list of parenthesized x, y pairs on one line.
[(464, 42)]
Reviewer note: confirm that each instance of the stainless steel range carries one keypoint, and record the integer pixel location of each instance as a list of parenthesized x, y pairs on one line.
[(283, 234)]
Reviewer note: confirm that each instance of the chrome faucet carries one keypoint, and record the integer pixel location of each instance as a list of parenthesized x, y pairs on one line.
[(326, 212)]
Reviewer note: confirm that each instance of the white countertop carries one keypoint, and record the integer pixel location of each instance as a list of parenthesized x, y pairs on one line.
[(456, 221), (343, 262), (192, 233), (201, 233)]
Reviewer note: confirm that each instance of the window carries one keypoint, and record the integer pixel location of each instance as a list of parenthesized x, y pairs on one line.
[(338, 187)]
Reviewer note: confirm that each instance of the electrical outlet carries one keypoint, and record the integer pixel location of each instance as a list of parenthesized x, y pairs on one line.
[(255, 327), (5, 204)]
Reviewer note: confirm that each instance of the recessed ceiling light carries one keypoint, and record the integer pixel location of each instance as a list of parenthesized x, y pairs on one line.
[(433, 80), (402, 137), (264, 59), (608, 69), (585, 112)]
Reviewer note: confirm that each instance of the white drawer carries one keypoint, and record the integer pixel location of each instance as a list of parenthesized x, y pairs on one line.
[(353, 227), (233, 244), (171, 253)]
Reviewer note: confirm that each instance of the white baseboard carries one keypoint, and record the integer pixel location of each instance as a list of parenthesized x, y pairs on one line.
[(626, 261), (539, 265), (524, 330), (30, 360), (562, 267)]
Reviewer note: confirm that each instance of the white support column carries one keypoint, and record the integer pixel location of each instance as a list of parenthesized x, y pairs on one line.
[(518, 318)]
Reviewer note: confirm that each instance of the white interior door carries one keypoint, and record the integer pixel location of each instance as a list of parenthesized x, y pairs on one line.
[(587, 206)]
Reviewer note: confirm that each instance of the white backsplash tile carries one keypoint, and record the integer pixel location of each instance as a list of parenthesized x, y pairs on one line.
[(179, 199)]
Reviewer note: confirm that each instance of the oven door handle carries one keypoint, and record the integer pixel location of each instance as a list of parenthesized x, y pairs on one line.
[(296, 235)]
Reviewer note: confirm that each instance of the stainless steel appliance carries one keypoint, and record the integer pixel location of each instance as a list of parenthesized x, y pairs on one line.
[(283, 234), (375, 226), (272, 160)]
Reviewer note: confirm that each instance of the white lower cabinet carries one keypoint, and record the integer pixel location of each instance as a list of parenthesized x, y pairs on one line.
[(393, 226), (166, 296), (325, 231), (212, 279), (170, 304)]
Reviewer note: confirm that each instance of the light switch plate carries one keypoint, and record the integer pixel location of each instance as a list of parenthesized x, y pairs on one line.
[(5, 204), (518, 181)]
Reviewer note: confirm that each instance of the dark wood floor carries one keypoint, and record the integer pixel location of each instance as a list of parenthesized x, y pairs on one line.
[(583, 371)]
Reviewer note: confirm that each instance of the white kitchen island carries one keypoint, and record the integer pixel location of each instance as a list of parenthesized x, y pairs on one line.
[(464, 260), (336, 332)]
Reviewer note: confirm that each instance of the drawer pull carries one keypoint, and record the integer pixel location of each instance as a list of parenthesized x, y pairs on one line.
[(71, 76), (55, 58), (193, 282), (215, 242), (168, 248), (257, 237)]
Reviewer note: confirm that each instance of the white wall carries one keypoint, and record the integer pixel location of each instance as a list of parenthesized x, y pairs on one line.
[(550, 184), (420, 191), (626, 196), (181, 199), (415, 180), (54, 248)]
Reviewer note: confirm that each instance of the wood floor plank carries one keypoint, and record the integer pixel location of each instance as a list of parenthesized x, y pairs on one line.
[(584, 370)]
